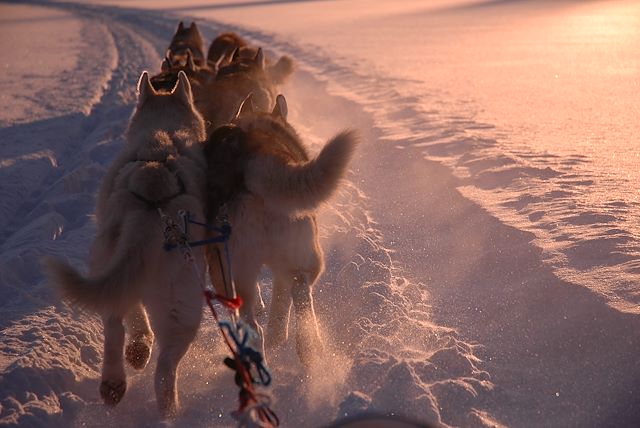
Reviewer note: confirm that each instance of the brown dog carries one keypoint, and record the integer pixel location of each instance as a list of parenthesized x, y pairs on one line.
[(259, 167)]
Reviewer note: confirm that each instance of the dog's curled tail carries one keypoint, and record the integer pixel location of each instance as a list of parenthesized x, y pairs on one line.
[(279, 72), (117, 287), (292, 187)]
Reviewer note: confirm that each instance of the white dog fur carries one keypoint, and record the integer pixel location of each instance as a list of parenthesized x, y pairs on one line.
[(162, 166)]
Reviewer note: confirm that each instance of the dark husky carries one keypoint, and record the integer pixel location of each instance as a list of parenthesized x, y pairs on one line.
[(260, 168)]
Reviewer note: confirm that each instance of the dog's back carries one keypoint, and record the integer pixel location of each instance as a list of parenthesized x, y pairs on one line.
[(271, 135), (229, 149)]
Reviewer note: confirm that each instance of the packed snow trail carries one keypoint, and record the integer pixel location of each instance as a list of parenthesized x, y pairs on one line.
[(52, 160), (387, 356)]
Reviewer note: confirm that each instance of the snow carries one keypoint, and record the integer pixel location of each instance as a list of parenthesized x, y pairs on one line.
[(481, 257), (56, 71)]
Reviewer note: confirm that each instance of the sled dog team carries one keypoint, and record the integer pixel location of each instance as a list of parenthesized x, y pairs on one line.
[(208, 131)]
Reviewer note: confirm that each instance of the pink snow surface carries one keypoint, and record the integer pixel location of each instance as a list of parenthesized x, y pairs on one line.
[(481, 257), (49, 77)]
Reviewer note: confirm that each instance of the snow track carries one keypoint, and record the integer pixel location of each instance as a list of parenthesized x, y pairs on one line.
[(397, 268), (51, 169)]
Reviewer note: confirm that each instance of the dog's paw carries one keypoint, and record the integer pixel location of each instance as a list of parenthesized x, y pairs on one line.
[(112, 391), (169, 413), (138, 352)]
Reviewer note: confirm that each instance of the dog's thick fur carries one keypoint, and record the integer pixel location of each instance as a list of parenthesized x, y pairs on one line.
[(161, 166), (260, 168)]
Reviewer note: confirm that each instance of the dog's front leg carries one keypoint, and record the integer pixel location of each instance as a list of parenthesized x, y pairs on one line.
[(174, 340), (167, 376), (138, 349), (114, 382)]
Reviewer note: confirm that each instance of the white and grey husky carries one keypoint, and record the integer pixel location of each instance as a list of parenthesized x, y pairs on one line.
[(161, 166), (260, 168)]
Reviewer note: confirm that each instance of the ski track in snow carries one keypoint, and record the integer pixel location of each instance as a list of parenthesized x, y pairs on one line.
[(390, 354)]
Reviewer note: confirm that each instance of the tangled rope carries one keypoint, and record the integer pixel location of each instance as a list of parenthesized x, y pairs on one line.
[(254, 408)]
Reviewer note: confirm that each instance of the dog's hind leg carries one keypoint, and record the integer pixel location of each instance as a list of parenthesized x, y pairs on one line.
[(138, 350), (277, 326), (171, 352), (262, 307), (308, 341), (114, 382)]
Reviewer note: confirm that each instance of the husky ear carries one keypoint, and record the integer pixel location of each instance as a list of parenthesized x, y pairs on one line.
[(195, 30), (236, 54), (165, 66), (259, 59), (145, 90), (180, 27), (190, 64), (219, 62), (245, 107), (183, 88), (280, 110)]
